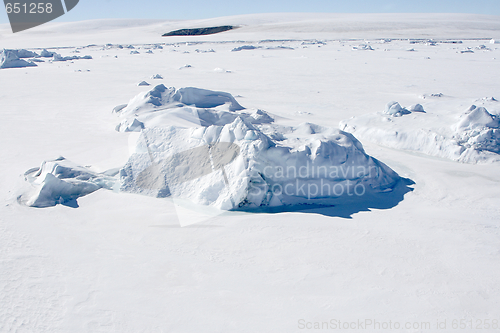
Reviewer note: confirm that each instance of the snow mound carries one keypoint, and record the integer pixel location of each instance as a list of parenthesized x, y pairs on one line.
[(22, 53), (47, 54), (60, 181), (167, 106), (437, 95), (58, 57), (245, 47), (236, 164), (205, 51), (221, 70), (10, 59), (416, 108), (396, 110), (363, 47), (191, 148), (202, 146), (477, 117), (474, 137)]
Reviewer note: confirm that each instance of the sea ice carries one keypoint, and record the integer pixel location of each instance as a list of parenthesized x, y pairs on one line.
[(203, 146), (60, 181), (474, 138), (10, 59)]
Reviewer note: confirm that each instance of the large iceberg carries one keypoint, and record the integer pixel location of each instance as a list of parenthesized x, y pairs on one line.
[(204, 147), (184, 137)]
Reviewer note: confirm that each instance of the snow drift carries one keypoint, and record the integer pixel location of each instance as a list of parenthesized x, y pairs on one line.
[(472, 137)]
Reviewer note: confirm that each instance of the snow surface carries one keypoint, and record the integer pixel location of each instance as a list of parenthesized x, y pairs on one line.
[(120, 262)]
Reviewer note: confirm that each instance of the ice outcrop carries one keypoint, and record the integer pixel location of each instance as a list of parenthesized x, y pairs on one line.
[(416, 108), (238, 158), (22, 53), (477, 117), (394, 109), (10, 59), (472, 138), (363, 47), (47, 54), (240, 165), (60, 181), (245, 47), (162, 104), (203, 146), (58, 57)]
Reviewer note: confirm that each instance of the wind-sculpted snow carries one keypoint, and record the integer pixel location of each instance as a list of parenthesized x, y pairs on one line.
[(472, 137), (268, 165), (162, 104), (60, 181), (203, 146), (265, 164)]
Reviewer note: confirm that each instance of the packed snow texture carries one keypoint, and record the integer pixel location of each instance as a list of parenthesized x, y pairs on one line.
[(472, 137)]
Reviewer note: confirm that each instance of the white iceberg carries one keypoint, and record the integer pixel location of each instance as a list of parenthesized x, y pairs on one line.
[(10, 59), (204, 147), (60, 181), (235, 159)]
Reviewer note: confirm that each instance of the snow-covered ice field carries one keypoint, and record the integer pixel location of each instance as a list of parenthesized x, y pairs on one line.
[(121, 262)]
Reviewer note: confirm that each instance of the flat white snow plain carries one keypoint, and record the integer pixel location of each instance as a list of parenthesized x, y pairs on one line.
[(121, 262)]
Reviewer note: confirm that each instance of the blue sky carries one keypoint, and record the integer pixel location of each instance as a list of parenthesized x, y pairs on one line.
[(197, 9)]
